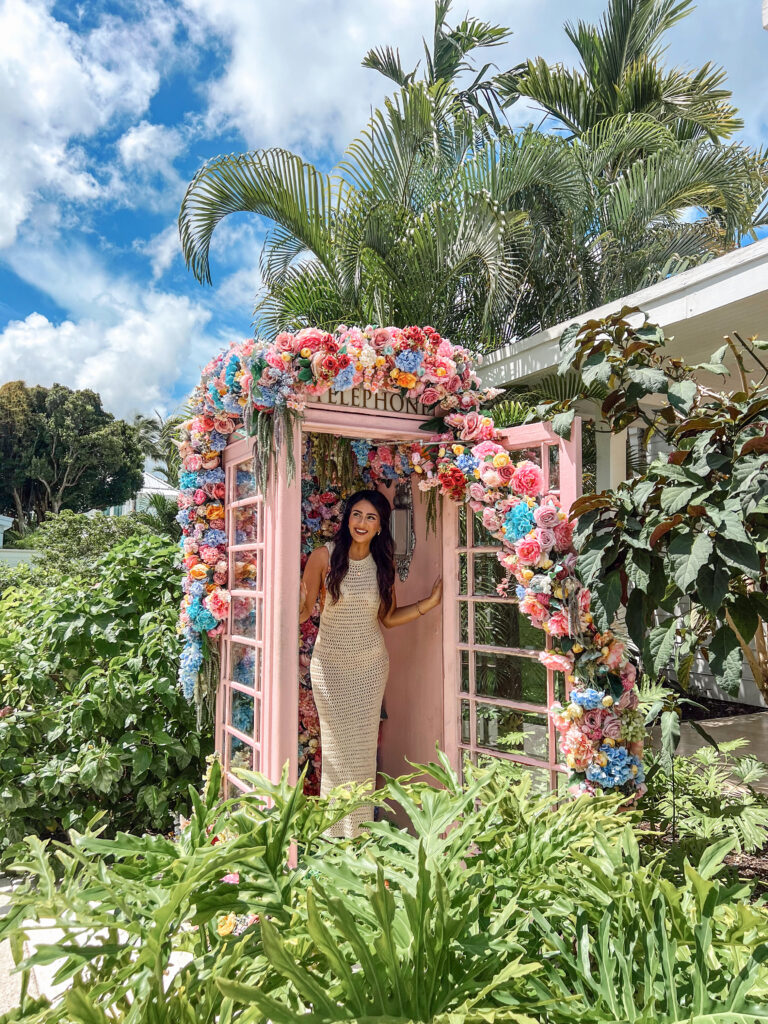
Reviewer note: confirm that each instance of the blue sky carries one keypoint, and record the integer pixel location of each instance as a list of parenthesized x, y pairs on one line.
[(108, 109)]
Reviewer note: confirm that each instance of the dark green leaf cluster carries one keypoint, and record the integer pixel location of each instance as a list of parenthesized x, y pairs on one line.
[(683, 546), (495, 906), (92, 717)]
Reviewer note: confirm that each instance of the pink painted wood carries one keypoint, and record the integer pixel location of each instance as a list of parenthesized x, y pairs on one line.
[(424, 694), (465, 706)]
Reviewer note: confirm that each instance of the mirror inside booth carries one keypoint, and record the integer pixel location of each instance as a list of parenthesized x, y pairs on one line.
[(412, 720)]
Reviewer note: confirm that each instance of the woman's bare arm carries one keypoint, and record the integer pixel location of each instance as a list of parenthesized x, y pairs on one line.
[(311, 581), (399, 616)]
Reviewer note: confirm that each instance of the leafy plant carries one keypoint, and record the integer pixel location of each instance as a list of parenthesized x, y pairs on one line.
[(682, 547), (493, 906), (93, 721)]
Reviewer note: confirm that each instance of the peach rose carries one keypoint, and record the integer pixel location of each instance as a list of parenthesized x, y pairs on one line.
[(528, 550), (528, 479)]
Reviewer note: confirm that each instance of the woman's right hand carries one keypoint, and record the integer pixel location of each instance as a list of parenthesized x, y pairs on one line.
[(302, 595)]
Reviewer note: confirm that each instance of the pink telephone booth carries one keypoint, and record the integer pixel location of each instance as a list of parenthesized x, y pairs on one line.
[(466, 677)]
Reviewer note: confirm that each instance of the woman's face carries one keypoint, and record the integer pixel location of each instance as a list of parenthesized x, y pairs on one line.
[(363, 522)]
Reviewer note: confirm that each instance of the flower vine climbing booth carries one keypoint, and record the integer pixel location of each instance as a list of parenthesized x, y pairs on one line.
[(466, 677), (512, 666)]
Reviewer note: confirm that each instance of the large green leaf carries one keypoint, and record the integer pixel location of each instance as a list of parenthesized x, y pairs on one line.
[(712, 584), (688, 553), (606, 598), (726, 659), (661, 642)]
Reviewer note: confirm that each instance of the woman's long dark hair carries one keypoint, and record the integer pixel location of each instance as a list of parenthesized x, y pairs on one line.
[(382, 548)]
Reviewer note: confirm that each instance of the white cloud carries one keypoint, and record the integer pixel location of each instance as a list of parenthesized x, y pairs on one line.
[(132, 363), (162, 249), (58, 87)]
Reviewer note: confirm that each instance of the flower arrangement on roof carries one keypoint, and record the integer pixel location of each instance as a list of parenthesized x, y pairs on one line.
[(600, 727)]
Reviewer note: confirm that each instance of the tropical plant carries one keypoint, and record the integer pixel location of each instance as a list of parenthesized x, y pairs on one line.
[(682, 547), (706, 796), (157, 436), (621, 73), (495, 906), (93, 722), (447, 61), (434, 216)]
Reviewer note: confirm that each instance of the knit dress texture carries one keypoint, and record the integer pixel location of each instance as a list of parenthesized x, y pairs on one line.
[(349, 670)]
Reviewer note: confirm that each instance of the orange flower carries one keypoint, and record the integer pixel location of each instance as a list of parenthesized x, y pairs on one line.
[(226, 924), (199, 572), (407, 380), (215, 512)]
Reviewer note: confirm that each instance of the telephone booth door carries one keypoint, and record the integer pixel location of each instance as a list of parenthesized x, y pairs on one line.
[(497, 691)]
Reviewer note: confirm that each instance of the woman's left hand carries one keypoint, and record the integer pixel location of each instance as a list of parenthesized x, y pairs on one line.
[(437, 593)]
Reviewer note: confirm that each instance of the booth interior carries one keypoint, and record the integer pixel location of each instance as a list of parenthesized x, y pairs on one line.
[(465, 678)]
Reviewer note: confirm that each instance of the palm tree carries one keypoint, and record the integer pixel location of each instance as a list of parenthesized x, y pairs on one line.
[(488, 239), (621, 73), (157, 436), (447, 61)]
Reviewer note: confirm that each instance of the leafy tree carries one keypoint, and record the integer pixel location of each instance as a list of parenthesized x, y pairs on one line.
[(683, 546), (60, 449), (447, 60), (621, 73)]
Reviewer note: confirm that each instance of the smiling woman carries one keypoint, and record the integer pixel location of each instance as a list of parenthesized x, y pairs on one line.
[(355, 579)]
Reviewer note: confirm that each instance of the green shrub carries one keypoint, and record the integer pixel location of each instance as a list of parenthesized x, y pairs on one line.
[(497, 906), (93, 720)]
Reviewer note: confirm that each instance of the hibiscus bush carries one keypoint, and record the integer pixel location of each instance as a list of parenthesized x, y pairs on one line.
[(91, 720)]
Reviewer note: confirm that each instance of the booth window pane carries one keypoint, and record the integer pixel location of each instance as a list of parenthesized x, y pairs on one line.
[(244, 665), (246, 614), (500, 624), (463, 579), (463, 622), (488, 574), (465, 671), (245, 527), (465, 734), (243, 713), (245, 481), (512, 731), (481, 538), (463, 526), (510, 677), (241, 754), (554, 467), (247, 570)]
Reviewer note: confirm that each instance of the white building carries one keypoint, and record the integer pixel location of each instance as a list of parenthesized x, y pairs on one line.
[(696, 309)]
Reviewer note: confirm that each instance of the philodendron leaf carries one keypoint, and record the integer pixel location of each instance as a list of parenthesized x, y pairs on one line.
[(712, 584), (726, 659), (688, 553), (670, 732), (661, 642)]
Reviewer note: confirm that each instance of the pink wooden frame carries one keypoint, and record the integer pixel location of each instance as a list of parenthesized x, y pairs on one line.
[(274, 740)]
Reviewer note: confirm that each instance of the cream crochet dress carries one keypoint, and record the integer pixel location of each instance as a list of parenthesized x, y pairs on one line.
[(349, 670)]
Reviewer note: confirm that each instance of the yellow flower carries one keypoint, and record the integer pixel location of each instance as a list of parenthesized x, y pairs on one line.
[(441, 452), (407, 380), (380, 360), (570, 678), (458, 449), (440, 371), (418, 469), (570, 761), (558, 592), (576, 710), (588, 617), (604, 651), (287, 357), (577, 648), (500, 459), (547, 563), (608, 742), (607, 701), (528, 574), (226, 924), (634, 769), (477, 474), (394, 373), (306, 353), (602, 760)]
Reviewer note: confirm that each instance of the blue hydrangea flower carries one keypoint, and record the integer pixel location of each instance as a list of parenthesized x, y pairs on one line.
[(518, 522), (217, 442), (216, 476), (361, 448), (189, 663), (197, 588), (344, 379), (187, 481), (232, 368), (521, 592), (589, 699), (182, 517), (467, 463), (214, 538), (409, 361), (618, 770)]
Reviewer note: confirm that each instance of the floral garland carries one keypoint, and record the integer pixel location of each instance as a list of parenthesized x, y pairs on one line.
[(600, 728)]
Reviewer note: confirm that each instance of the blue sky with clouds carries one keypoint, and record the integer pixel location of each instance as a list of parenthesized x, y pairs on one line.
[(107, 110)]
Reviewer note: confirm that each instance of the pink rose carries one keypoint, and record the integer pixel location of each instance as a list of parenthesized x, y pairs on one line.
[(615, 655), (528, 479), (472, 427), (193, 462), (490, 520), (217, 603), (628, 700), (546, 517), (563, 535), (528, 550), (200, 497), (628, 676), (506, 473), (224, 425), (445, 349), (286, 343), (430, 396), (612, 726), (489, 475), (557, 662), (477, 492), (454, 384), (546, 539), (558, 623), (209, 555)]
